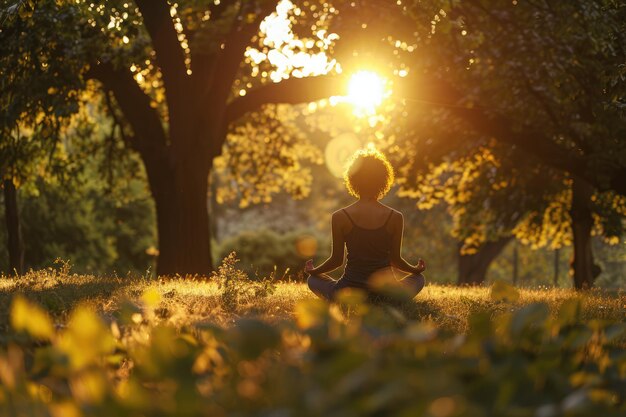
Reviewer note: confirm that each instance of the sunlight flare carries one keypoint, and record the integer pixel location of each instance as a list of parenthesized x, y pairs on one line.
[(338, 151), (366, 91)]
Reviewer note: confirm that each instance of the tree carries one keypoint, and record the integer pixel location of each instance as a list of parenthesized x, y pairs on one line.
[(488, 75), (172, 71), (560, 69), (36, 99), (181, 76)]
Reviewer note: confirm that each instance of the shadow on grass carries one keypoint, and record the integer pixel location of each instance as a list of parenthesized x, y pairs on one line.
[(59, 298)]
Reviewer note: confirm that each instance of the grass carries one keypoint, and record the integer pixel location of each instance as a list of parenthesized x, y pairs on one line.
[(184, 301), (75, 345)]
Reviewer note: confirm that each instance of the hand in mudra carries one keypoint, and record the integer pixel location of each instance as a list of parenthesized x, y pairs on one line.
[(308, 266), (420, 267)]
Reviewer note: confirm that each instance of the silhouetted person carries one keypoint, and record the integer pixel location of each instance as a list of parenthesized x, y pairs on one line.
[(371, 232)]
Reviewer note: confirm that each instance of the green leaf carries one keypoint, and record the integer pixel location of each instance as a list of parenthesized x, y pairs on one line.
[(529, 316), (28, 317), (253, 337), (503, 292), (569, 312)]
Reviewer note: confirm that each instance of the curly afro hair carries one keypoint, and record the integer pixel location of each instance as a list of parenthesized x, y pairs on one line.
[(369, 174)]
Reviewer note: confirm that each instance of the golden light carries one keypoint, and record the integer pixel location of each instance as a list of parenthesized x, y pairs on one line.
[(366, 91), (339, 150), (290, 55), (306, 246)]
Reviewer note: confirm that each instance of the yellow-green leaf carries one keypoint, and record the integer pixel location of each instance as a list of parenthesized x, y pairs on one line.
[(28, 317), (151, 297), (501, 291)]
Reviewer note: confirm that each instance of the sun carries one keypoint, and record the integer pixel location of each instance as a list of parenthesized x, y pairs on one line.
[(366, 91)]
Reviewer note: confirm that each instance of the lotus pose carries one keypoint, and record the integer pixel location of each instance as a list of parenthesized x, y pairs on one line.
[(371, 232)]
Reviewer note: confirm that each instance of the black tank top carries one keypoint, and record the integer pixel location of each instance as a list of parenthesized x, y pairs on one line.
[(369, 250)]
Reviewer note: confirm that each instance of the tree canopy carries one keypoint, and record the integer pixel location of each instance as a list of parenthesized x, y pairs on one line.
[(488, 101)]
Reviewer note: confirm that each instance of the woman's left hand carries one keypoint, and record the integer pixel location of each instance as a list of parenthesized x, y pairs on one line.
[(308, 266), (421, 266)]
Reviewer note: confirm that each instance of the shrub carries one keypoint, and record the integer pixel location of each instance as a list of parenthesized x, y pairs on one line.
[(236, 287), (265, 252)]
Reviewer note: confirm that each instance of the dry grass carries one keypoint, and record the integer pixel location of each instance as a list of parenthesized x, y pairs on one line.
[(183, 301), (153, 349)]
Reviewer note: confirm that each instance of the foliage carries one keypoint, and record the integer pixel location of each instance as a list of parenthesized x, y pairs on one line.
[(534, 359), (63, 153), (39, 90), (99, 233), (177, 76), (236, 286), (565, 59), (266, 252), (252, 174), (570, 97)]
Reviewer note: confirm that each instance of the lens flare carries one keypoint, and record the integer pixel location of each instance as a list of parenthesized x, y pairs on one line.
[(306, 246), (339, 150), (366, 91)]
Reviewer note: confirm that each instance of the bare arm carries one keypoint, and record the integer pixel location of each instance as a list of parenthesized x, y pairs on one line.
[(397, 260), (337, 251)]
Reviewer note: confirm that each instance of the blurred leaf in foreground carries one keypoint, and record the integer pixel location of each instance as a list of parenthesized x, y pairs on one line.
[(311, 313), (28, 317), (503, 292), (151, 297), (86, 339), (570, 310), (253, 337)]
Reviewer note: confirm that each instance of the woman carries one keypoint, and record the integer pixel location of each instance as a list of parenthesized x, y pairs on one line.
[(371, 232)]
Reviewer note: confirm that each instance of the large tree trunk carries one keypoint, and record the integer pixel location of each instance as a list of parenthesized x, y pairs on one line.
[(583, 269), (183, 225), (200, 109), (557, 260), (182, 219), (14, 232), (473, 268)]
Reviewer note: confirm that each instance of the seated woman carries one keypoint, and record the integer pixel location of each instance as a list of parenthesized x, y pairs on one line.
[(371, 232)]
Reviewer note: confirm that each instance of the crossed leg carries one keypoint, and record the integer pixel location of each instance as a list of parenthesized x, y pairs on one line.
[(414, 283), (322, 285)]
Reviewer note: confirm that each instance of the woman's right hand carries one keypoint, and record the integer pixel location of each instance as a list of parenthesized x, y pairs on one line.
[(420, 267), (308, 266)]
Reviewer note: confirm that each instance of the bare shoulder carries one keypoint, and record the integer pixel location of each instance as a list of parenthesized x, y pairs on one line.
[(340, 222), (397, 219), (339, 217), (395, 213)]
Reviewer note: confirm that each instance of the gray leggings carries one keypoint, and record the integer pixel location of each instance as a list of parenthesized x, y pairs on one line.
[(325, 287)]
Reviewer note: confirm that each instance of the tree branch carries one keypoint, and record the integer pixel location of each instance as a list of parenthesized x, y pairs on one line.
[(203, 59), (149, 136), (169, 54), (290, 91), (528, 139), (116, 121), (235, 44), (214, 73)]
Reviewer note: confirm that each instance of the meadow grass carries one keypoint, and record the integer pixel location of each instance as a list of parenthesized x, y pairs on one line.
[(187, 300), (78, 345)]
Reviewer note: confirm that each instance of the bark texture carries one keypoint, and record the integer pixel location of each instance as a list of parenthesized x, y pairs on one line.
[(583, 268), (14, 230), (178, 150), (472, 269)]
